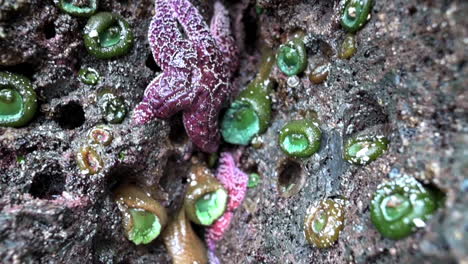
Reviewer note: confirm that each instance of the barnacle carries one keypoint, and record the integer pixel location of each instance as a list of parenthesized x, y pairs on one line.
[(18, 102), (324, 222), (206, 199), (348, 47), (143, 217), (402, 205), (112, 107), (89, 161), (74, 9), (107, 35), (300, 138), (89, 76), (250, 113), (292, 56), (365, 149), (183, 245), (101, 135), (320, 73), (355, 14)]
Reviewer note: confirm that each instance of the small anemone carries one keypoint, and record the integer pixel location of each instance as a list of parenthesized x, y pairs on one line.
[(324, 222)]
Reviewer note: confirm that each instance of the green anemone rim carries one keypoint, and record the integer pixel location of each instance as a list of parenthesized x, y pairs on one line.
[(97, 25), (211, 206), (22, 86)]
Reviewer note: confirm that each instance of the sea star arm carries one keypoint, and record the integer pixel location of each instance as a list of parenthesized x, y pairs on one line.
[(164, 96), (191, 20), (201, 126), (167, 44), (220, 30)]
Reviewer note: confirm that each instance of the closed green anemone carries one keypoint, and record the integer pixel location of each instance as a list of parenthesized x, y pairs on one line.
[(89, 76), (107, 35), (365, 149), (112, 107), (18, 102), (324, 222), (101, 135), (348, 47), (300, 138), (401, 206)]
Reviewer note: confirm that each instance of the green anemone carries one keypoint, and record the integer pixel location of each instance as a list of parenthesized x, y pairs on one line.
[(112, 107), (300, 138), (249, 115), (107, 35), (89, 76), (348, 47), (254, 180), (292, 57), (146, 226), (355, 14), (401, 206), (324, 222), (240, 123), (18, 102), (363, 150), (69, 7), (211, 206)]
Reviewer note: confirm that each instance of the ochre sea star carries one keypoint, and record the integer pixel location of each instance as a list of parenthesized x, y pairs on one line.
[(196, 69)]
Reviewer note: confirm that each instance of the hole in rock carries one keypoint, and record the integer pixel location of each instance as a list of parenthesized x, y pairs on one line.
[(364, 113), (177, 133), (27, 69), (290, 178), (48, 184), (120, 175), (70, 115), (49, 30)]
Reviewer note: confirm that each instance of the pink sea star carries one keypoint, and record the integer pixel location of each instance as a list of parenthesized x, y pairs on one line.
[(196, 69), (235, 182)]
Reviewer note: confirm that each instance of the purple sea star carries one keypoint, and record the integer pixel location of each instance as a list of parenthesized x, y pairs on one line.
[(235, 182), (196, 70)]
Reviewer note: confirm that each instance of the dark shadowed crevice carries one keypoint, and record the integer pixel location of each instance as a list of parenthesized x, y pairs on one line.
[(177, 134), (27, 69), (151, 64), (48, 184), (251, 29), (174, 180), (49, 30), (70, 115)]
